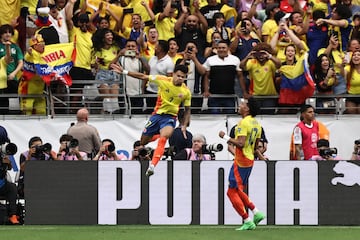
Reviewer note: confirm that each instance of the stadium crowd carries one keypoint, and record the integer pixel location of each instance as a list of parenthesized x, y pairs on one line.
[(284, 51)]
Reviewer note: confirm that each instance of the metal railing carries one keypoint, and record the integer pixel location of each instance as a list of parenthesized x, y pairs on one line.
[(69, 100)]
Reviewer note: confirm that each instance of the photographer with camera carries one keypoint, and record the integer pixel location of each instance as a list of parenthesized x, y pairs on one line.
[(356, 153), (69, 149), (325, 152), (7, 188), (107, 151), (140, 152), (199, 150), (37, 151)]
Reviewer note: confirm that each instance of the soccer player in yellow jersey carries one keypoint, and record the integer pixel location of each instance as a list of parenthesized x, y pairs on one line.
[(171, 94), (247, 136)]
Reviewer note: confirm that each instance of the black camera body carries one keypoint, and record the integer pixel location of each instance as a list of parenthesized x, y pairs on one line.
[(73, 143), (110, 148), (327, 152), (41, 150), (145, 151)]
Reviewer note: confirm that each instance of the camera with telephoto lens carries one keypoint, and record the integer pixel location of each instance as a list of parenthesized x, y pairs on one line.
[(327, 152), (209, 148), (73, 143), (41, 150), (8, 149)]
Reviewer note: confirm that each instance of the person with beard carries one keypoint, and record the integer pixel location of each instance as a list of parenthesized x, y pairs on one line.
[(195, 29), (261, 65), (242, 43)]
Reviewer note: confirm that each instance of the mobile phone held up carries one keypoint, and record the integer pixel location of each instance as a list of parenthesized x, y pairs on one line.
[(130, 53)]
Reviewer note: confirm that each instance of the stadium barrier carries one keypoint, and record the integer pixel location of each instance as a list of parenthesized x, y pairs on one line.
[(189, 192), (63, 100)]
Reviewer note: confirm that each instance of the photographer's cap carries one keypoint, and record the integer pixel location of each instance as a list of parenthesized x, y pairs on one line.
[(199, 137), (3, 135)]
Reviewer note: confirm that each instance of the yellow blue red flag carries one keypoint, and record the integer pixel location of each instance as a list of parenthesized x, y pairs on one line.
[(54, 63), (296, 82)]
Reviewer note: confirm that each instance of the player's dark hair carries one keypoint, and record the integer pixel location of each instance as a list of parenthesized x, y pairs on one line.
[(305, 107), (182, 68), (253, 106)]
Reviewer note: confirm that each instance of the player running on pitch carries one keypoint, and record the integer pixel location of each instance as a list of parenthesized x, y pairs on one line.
[(171, 95)]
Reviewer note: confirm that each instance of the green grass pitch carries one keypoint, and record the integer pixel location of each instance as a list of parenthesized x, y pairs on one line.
[(161, 232)]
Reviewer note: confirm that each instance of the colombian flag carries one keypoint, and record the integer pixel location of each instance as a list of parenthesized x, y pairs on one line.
[(296, 82), (54, 63), (29, 67), (230, 15)]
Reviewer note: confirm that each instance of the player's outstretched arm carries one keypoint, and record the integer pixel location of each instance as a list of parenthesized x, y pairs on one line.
[(119, 69)]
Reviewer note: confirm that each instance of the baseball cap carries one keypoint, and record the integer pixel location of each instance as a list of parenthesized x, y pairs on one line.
[(281, 15)]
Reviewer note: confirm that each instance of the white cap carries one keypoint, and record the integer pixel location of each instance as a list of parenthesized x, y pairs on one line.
[(287, 15), (43, 11)]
